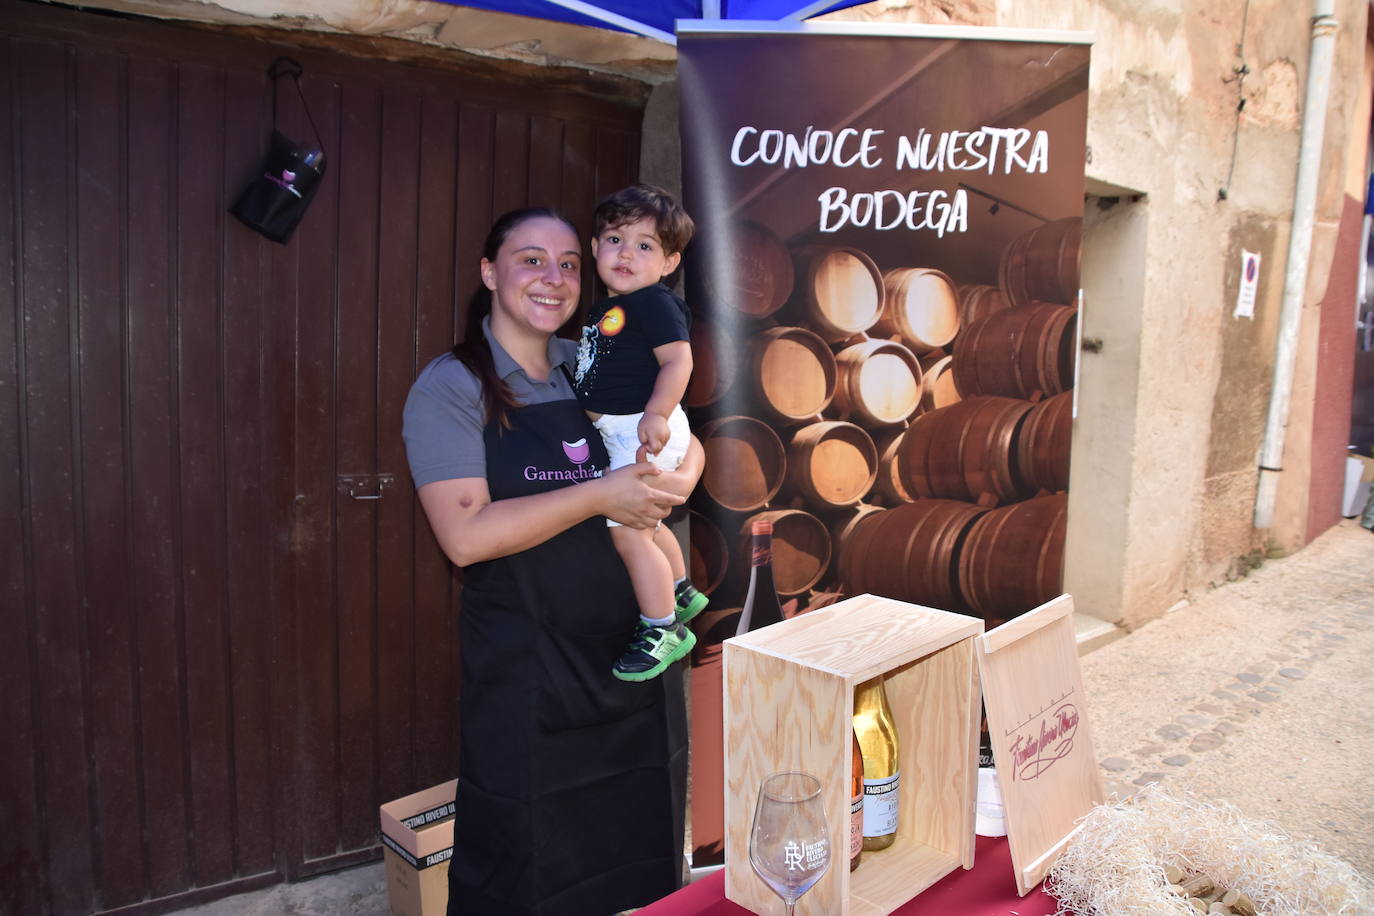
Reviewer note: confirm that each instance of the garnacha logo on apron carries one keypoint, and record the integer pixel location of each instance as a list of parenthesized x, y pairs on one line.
[(578, 453)]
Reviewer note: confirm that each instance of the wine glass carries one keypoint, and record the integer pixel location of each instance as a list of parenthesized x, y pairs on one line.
[(789, 845)]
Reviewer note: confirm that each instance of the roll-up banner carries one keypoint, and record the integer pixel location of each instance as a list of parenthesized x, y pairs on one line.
[(884, 286)]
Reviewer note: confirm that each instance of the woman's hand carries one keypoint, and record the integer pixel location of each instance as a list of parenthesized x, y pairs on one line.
[(633, 498), (471, 528)]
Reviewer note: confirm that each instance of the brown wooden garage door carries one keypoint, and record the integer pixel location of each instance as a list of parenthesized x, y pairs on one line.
[(218, 662)]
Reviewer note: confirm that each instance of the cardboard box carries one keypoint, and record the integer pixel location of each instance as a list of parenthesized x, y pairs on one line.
[(789, 703), (417, 832)]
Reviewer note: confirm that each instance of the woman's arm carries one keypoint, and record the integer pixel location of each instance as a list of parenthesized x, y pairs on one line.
[(470, 527)]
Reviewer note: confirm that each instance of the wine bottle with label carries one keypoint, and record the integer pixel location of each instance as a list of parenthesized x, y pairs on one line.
[(761, 605), (877, 734), (856, 803)]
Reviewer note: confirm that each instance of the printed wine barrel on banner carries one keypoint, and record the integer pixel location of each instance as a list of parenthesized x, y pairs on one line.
[(979, 300), (1043, 264), (841, 523), (1013, 558), (963, 451), (755, 276), (879, 383), (1042, 445), (909, 552), (712, 627), (793, 373), (821, 599), (709, 560), (838, 291), (889, 481), (831, 464), (920, 306), (801, 548), (937, 383), (714, 365), (745, 462), (1018, 353)]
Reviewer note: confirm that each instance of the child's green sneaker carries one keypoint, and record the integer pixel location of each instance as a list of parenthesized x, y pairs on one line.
[(689, 601), (652, 650)]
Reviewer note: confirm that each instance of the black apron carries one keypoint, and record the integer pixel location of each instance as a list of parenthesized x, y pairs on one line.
[(572, 784)]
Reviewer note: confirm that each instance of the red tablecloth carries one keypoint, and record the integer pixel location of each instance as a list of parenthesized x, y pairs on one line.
[(988, 889)]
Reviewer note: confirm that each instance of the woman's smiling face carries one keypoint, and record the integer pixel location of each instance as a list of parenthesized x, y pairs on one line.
[(536, 278)]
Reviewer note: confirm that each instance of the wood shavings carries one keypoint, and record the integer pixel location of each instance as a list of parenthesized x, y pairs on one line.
[(1116, 863)]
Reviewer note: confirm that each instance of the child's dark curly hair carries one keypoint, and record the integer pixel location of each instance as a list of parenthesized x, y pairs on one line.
[(645, 201)]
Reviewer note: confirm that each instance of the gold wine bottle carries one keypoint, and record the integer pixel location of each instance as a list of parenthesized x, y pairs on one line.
[(877, 734), (856, 803)]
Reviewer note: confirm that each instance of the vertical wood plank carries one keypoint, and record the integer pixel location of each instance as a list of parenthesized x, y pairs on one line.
[(161, 731), (397, 649), (200, 422), (435, 679), (46, 204), (355, 404), (282, 330), (617, 159), (476, 204), (101, 314), (579, 196), (249, 320), (546, 161), (21, 843), (510, 160), (316, 590)]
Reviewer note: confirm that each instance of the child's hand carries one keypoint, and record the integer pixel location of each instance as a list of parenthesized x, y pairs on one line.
[(653, 432)]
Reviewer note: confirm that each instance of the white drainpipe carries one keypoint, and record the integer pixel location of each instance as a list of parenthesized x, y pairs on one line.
[(1324, 28)]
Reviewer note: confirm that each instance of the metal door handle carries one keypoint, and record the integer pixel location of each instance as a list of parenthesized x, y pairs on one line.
[(365, 486)]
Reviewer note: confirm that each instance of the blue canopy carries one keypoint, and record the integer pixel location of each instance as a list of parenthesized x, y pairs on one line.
[(655, 18)]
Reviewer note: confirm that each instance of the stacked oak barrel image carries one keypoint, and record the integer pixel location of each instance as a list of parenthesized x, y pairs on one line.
[(906, 434)]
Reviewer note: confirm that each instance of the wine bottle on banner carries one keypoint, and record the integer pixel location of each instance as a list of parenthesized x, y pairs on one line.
[(877, 734), (856, 803), (761, 605)]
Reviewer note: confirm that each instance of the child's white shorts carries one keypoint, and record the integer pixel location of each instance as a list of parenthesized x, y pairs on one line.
[(620, 432)]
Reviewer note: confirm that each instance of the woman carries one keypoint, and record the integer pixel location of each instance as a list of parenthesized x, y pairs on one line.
[(571, 783)]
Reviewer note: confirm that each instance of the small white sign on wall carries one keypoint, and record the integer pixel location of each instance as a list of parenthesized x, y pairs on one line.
[(1249, 283)]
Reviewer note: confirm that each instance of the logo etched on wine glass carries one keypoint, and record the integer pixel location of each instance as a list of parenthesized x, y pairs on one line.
[(789, 844)]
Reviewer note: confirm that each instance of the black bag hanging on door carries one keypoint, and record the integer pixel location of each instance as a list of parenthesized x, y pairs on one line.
[(277, 197)]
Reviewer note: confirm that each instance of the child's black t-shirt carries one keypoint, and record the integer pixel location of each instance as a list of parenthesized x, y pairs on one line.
[(616, 366)]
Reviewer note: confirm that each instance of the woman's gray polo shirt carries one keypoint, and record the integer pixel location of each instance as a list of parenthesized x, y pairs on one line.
[(443, 419)]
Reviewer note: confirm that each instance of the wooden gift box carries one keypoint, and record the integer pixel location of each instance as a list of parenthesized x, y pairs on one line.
[(789, 702)]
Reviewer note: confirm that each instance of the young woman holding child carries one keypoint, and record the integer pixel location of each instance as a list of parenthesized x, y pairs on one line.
[(571, 782)]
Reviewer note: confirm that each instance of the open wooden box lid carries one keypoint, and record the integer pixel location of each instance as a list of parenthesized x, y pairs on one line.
[(1033, 692)]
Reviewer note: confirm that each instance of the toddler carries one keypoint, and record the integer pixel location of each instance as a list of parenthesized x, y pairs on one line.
[(633, 364)]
